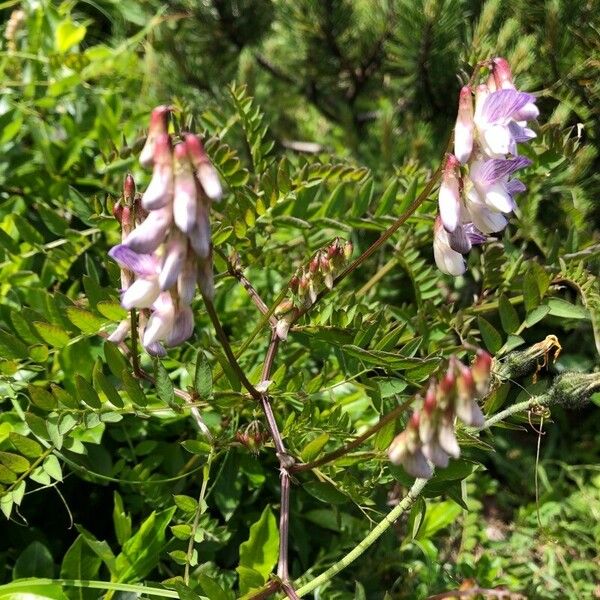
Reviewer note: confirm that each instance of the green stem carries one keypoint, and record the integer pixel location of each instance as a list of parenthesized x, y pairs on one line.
[(199, 511), (373, 536)]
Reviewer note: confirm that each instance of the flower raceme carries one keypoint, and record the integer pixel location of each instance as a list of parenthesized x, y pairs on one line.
[(429, 438), (478, 190), (168, 248)]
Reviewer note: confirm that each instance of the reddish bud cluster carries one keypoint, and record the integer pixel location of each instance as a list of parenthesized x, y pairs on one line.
[(429, 436), (310, 280)]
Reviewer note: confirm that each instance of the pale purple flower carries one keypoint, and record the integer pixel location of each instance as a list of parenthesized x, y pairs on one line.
[(490, 180), (448, 260), (447, 437), (449, 195), (149, 234), (161, 320), (185, 199), (183, 326), (199, 235), (496, 122), (435, 453), (159, 192), (173, 260), (404, 450), (205, 171), (186, 282), (120, 333), (145, 289), (464, 127)]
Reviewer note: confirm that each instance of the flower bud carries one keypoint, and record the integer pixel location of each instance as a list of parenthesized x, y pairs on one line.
[(348, 250), (502, 74), (160, 190), (283, 325), (283, 308), (185, 196), (464, 127), (117, 211), (466, 406), (480, 370), (449, 195), (128, 189), (186, 282), (294, 284), (313, 266), (205, 171), (433, 451), (158, 126)]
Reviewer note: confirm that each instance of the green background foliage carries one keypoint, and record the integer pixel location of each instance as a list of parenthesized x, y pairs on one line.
[(100, 472)]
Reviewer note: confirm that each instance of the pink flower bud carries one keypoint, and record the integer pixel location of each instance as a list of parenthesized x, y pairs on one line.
[(160, 190), (313, 266), (128, 189), (481, 369), (205, 172), (185, 198), (158, 126), (283, 308), (447, 437), (294, 284), (466, 406), (283, 326), (449, 196), (117, 211), (463, 130), (502, 74)]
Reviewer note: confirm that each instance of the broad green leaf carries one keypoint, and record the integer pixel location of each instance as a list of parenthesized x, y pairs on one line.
[(34, 561), (41, 398), (437, 516), (80, 563), (52, 334), (164, 385), (203, 376), (14, 462), (113, 311), (114, 359), (133, 389), (100, 548), (388, 199), (186, 503), (259, 553), (325, 492), (32, 589), (86, 392), (121, 520), (52, 467), (508, 315), (314, 447), (102, 383), (26, 446), (211, 588), (491, 338), (11, 347), (561, 308), (84, 320), (531, 291), (141, 552)]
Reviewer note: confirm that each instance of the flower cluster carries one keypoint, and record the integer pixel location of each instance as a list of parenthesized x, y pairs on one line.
[(166, 242), (429, 437), (477, 189), (310, 280)]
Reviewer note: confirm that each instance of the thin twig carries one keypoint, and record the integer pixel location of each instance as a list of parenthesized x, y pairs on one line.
[(331, 456), (236, 272), (222, 337)]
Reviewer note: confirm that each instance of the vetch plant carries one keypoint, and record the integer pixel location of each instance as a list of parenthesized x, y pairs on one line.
[(331, 371)]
